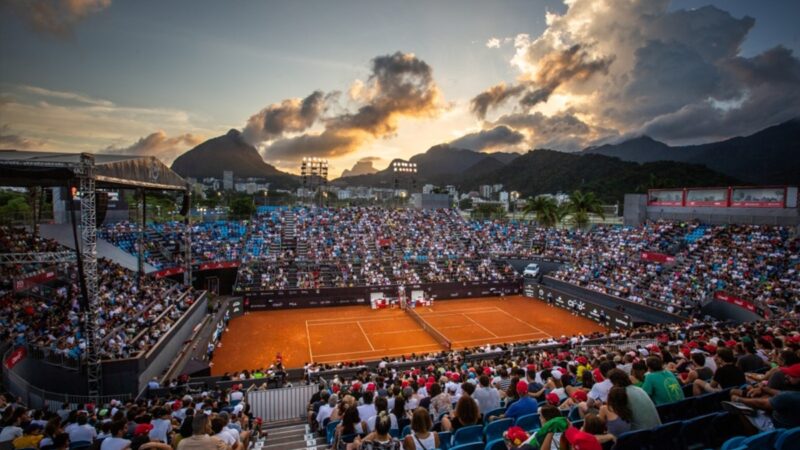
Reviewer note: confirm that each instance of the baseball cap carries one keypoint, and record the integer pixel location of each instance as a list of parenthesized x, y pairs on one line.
[(579, 396), (581, 440), (553, 399), (522, 388), (142, 429), (792, 371)]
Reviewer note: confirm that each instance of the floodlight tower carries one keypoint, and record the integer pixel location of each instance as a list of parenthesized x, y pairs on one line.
[(314, 173), (404, 169)]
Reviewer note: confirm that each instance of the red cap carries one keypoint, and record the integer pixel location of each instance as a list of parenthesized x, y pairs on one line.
[(487, 370), (598, 376), (142, 429), (522, 388), (370, 387), (455, 376), (579, 396), (516, 436), (531, 368), (404, 383), (553, 399), (792, 371), (710, 348), (730, 343), (581, 440), (547, 364), (356, 386), (429, 385), (582, 360)]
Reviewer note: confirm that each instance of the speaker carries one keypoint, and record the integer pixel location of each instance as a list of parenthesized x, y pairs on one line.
[(101, 207), (187, 202)]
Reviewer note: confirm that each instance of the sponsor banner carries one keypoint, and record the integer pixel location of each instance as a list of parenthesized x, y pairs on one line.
[(707, 197), (218, 265), (24, 284), (168, 272), (657, 257), (604, 316), (309, 298), (15, 357), (740, 303)]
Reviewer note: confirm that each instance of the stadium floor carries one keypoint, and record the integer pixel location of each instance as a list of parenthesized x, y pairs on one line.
[(352, 333)]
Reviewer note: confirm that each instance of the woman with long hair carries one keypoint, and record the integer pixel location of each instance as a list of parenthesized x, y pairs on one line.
[(422, 437), (465, 414), (616, 415), (351, 424), (380, 439)]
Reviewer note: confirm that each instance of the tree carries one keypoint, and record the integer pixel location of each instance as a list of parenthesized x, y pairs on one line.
[(488, 211), (545, 210), (242, 206), (465, 204), (581, 204)]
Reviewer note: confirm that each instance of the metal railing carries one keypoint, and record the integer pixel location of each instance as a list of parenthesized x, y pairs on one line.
[(275, 405)]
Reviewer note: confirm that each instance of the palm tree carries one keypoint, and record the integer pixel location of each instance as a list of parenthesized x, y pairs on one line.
[(545, 210), (581, 204)]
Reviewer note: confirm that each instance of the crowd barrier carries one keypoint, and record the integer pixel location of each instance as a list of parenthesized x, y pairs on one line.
[(275, 405), (607, 317)]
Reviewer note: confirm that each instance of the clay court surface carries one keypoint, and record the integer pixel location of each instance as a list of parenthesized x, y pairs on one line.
[(352, 333)]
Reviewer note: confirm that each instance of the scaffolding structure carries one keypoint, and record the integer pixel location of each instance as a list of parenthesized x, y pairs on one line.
[(46, 169)]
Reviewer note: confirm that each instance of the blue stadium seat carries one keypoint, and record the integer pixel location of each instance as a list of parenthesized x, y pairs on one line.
[(725, 426), (495, 430), (733, 443), (445, 440), (788, 440), (666, 436), (497, 444), (494, 412), (528, 422), (765, 439), (696, 432), (406, 431), (80, 445), (330, 429), (466, 435), (680, 410), (470, 446), (634, 440)]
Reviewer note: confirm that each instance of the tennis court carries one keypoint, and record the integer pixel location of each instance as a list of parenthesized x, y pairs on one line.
[(353, 333)]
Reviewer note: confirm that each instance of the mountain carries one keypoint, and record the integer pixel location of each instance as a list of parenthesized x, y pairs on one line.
[(440, 164), (229, 152), (548, 171), (360, 168), (770, 156)]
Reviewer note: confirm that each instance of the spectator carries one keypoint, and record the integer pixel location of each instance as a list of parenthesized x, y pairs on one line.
[(728, 374), (661, 385), (380, 439), (465, 414), (116, 441), (200, 439), (487, 396), (644, 414), (553, 425), (422, 437)]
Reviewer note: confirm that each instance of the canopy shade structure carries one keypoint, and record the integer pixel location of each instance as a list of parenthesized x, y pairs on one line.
[(32, 168)]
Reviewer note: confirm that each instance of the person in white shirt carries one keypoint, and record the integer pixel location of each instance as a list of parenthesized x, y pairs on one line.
[(162, 425), (221, 433), (381, 404), (115, 441), (367, 409), (326, 410), (81, 431)]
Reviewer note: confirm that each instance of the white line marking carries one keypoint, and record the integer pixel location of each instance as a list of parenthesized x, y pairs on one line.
[(308, 335), (476, 323), (365, 335), (522, 321), (391, 350)]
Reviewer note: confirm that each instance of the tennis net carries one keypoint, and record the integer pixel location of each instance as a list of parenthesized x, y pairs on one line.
[(439, 337)]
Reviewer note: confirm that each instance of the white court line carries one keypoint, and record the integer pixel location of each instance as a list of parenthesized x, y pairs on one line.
[(389, 349), (397, 331), (476, 323), (308, 335), (501, 338), (365, 335), (460, 311), (522, 321)]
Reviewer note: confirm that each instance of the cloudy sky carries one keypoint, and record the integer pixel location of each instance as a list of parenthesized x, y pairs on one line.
[(347, 80)]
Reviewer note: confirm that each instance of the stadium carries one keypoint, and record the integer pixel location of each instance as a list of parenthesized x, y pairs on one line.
[(598, 247)]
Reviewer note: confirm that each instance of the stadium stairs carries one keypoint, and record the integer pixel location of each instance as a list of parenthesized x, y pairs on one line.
[(292, 436)]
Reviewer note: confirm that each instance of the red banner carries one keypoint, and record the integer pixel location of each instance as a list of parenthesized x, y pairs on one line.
[(657, 257), (738, 302), (751, 204), (384, 242), (168, 272), (218, 265), (27, 283), (15, 357)]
